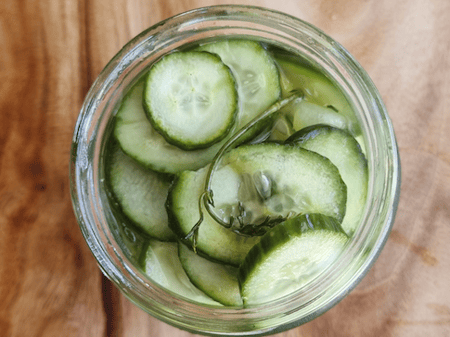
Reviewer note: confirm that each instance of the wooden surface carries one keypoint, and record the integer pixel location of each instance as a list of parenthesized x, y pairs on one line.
[(50, 53)]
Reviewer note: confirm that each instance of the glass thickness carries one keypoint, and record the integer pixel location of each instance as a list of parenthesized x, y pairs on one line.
[(102, 228)]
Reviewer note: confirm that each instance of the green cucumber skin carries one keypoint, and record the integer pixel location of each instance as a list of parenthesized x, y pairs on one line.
[(311, 131), (174, 224), (337, 144), (184, 145)]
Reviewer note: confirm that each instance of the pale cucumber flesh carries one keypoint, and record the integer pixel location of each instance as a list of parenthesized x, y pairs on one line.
[(191, 99), (289, 256)]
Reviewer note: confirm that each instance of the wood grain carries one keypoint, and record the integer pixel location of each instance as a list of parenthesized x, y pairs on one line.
[(52, 50)]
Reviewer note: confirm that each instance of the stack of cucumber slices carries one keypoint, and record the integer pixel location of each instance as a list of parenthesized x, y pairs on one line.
[(237, 209)]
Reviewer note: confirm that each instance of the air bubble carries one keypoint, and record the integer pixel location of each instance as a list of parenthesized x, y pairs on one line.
[(129, 234), (263, 185)]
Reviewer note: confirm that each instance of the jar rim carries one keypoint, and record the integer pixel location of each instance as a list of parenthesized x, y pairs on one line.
[(87, 144)]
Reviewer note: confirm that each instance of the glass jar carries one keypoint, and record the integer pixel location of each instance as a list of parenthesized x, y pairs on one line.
[(99, 225)]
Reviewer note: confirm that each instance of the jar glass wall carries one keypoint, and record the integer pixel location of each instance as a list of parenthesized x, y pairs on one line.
[(101, 227)]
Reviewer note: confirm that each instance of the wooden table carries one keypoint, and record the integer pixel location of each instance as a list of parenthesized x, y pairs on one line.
[(52, 50)]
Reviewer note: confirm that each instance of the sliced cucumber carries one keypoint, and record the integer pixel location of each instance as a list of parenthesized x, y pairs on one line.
[(317, 87), (273, 180), (162, 265), (141, 194), (306, 114), (191, 99), (282, 129), (219, 281), (344, 151), (256, 75), (288, 256), (213, 240), (142, 142)]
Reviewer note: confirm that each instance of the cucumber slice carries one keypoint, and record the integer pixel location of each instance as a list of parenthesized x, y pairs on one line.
[(218, 281), (256, 76), (317, 87), (141, 194), (282, 129), (162, 265), (273, 180), (288, 256), (344, 151), (142, 142), (213, 240), (191, 99), (306, 114)]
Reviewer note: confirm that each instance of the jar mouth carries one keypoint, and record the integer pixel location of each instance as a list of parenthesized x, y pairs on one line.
[(94, 124)]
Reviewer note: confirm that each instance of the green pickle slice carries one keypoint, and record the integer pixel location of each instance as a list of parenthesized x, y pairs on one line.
[(289, 256), (191, 99)]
